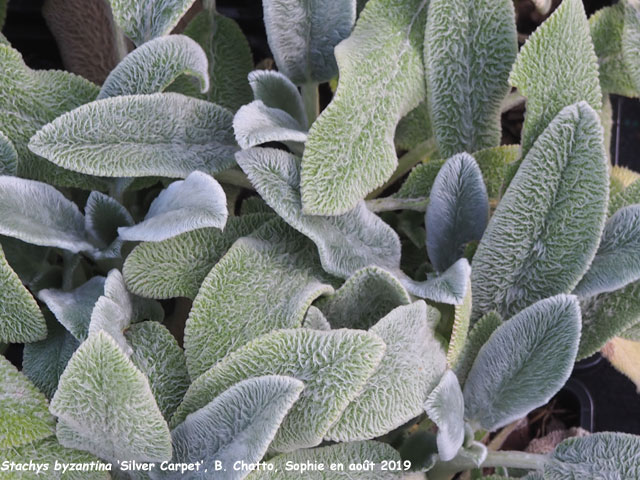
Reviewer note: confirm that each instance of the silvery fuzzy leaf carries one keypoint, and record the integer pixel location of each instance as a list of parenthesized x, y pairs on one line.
[(414, 128), (21, 320), (333, 365), (30, 262), (366, 296), (347, 242), (559, 53), (354, 453), (445, 407), (303, 34), (606, 456), (161, 134), (420, 180), (176, 267), (103, 216), (8, 156), (631, 40), (478, 336), (45, 94), (449, 286), (103, 398), (238, 425), (459, 330), (275, 90), (43, 362), (196, 202), (153, 66), (37, 213), (458, 210), (264, 282), (469, 48), (617, 261), (143, 20), (23, 409), (494, 164), (73, 308), (256, 123), (412, 366), (314, 319), (350, 151), (557, 200), (157, 354), (524, 363)]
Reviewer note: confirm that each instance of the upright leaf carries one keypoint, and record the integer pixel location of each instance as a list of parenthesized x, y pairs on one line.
[(524, 363), (445, 407), (275, 90), (350, 151), (631, 40), (8, 156), (334, 366), (143, 20), (557, 67), (104, 398), (103, 216), (459, 330), (469, 48), (162, 134), (458, 211), (153, 66), (557, 200), (303, 34), (346, 242), (478, 336)]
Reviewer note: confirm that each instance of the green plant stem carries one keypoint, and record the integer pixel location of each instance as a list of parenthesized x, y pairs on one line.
[(389, 203), (511, 459), (311, 100)]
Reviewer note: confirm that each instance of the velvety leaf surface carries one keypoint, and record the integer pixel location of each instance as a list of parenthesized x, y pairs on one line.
[(524, 363), (560, 54), (162, 134), (631, 40), (366, 296), (478, 336), (21, 320), (333, 365), (314, 319), (303, 34), (350, 150), (448, 287), (24, 414), (414, 128), (459, 330), (176, 267), (494, 164), (103, 216), (445, 407), (458, 211), (629, 195), (264, 282), (256, 123), (238, 425), (8, 156), (153, 66), (196, 202), (557, 200), (413, 363), (469, 48), (105, 398), (346, 242), (420, 180), (275, 90)]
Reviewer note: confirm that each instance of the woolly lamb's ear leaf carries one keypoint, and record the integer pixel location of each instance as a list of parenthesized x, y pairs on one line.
[(631, 40), (155, 65), (459, 330), (420, 180), (458, 210), (73, 309), (275, 90), (346, 243), (413, 363), (103, 216), (445, 406), (617, 261), (448, 287), (524, 363), (264, 282), (21, 320), (103, 397), (630, 193), (143, 20), (350, 151), (314, 319), (478, 336), (162, 134), (23, 410), (302, 36), (469, 48), (494, 164), (558, 53), (37, 213), (624, 355), (238, 425), (176, 267), (605, 455), (43, 362), (196, 202), (557, 200), (334, 366), (8, 156), (356, 453), (256, 123), (157, 354), (414, 128), (46, 94), (366, 296)]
